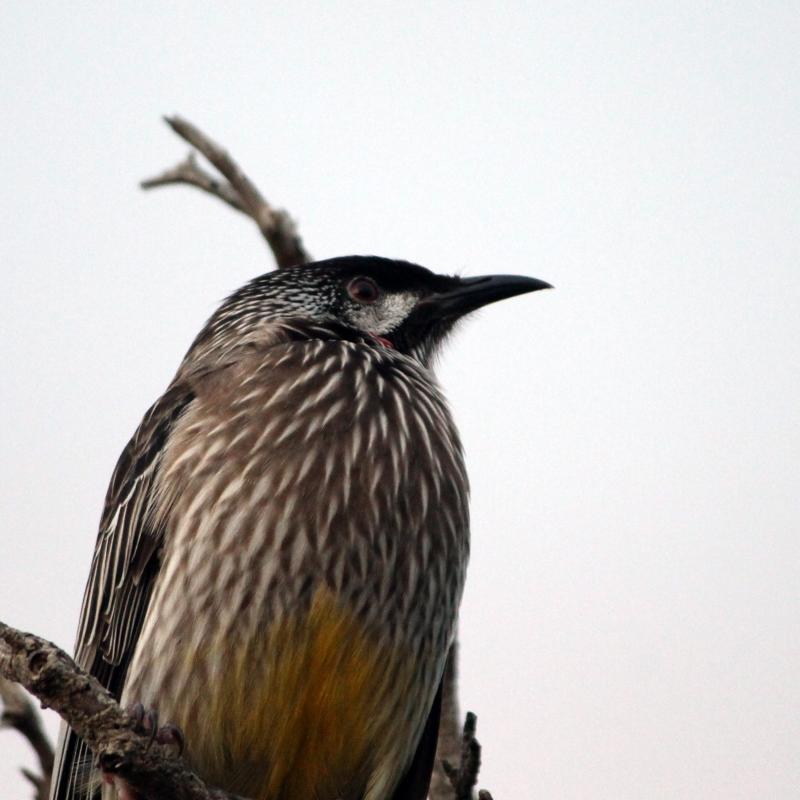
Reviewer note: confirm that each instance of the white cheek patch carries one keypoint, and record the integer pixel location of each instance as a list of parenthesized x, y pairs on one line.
[(385, 315)]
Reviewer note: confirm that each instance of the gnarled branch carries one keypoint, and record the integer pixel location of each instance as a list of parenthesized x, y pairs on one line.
[(93, 713), (59, 683)]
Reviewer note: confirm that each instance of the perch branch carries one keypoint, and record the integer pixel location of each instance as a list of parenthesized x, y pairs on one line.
[(52, 676), (276, 226)]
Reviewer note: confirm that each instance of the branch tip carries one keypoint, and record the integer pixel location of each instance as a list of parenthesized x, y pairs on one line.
[(238, 191)]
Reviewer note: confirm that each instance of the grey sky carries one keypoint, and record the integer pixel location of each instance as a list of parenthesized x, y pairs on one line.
[(630, 627)]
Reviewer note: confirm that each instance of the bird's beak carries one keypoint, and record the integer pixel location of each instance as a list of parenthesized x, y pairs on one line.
[(472, 293)]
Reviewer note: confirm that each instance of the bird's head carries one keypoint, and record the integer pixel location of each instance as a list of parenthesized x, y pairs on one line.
[(394, 303)]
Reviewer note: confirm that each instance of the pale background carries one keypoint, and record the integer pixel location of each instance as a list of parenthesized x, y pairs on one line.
[(631, 622)]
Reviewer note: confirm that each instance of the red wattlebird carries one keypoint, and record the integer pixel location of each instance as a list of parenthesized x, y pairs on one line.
[(283, 547)]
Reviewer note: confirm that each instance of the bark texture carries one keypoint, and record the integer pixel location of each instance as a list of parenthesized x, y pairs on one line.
[(51, 675)]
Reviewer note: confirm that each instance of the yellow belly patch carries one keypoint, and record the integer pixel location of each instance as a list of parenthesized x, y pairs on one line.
[(305, 713)]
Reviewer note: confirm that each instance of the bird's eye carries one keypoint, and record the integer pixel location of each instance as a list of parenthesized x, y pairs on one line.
[(363, 290)]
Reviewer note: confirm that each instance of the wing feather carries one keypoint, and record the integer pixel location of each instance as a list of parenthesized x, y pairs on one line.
[(416, 781), (124, 568)]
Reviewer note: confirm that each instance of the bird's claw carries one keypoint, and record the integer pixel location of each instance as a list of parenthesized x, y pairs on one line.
[(145, 721), (171, 736)]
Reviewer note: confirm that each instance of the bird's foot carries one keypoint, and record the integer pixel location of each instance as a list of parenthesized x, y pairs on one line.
[(146, 722)]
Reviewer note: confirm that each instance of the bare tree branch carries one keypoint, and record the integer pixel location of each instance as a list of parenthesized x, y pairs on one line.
[(464, 778), (20, 714), (240, 192), (59, 683), (189, 172)]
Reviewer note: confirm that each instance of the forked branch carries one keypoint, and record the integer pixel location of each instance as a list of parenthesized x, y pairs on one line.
[(237, 190)]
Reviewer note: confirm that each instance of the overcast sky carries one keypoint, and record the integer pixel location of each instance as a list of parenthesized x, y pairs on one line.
[(631, 624)]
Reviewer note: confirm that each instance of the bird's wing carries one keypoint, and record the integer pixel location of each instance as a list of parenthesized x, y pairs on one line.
[(416, 781), (124, 568)]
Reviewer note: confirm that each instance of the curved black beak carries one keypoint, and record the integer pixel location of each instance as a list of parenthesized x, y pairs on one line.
[(472, 293)]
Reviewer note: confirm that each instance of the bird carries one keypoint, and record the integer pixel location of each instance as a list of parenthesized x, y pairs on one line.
[(283, 546)]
